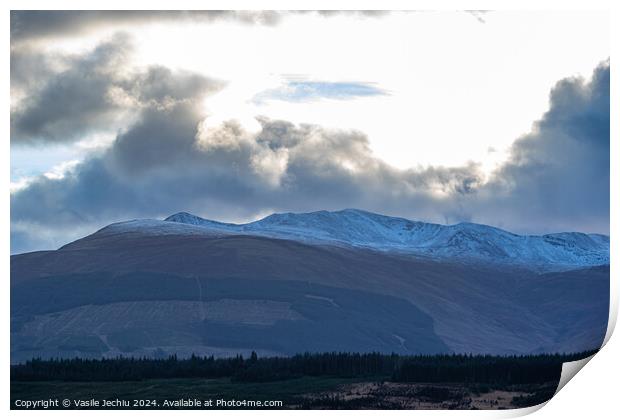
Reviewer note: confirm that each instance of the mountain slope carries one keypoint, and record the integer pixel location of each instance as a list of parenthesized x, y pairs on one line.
[(155, 288)]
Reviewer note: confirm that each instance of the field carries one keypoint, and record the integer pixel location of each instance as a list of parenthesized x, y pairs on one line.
[(298, 393), (304, 381)]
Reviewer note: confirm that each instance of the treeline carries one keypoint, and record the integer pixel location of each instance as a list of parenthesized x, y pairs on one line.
[(483, 369), (436, 368)]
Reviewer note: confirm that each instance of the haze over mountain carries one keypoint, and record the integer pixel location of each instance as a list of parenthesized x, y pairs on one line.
[(323, 281)]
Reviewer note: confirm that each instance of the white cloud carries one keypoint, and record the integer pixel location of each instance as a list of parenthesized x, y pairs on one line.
[(449, 76), (440, 146)]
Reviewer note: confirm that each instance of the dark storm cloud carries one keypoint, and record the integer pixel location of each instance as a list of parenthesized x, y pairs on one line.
[(162, 164), (66, 104), (558, 175), (33, 25), (29, 68), (171, 159), (157, 167), (90, 92), (27, 25)]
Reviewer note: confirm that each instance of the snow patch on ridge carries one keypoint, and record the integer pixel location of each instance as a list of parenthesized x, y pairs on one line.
[(357, 228)]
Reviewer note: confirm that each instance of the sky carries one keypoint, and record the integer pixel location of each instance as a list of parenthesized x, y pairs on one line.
[(499, 118)]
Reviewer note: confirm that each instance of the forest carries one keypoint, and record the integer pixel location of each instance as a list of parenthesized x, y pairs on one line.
[(488, 369)]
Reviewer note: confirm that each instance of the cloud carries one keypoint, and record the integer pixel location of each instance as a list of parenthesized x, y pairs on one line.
[(90, 93), (169, 161), (558, 175), (29, 25), (70, 102), (172, 158), (304, 91), (36, 25)]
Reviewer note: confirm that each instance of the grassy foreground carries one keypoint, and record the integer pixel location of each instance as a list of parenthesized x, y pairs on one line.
[(308, 381), (298, 393)]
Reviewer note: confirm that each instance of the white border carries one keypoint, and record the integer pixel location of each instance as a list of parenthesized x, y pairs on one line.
[(592, 395)]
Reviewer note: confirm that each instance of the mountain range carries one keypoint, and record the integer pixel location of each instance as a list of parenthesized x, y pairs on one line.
[(465, 241), (348, 280)]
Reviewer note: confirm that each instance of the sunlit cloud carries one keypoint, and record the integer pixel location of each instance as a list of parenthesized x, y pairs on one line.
[(235, 115)]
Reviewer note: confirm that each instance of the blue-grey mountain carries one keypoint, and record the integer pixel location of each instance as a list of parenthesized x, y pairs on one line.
[(324, 281)]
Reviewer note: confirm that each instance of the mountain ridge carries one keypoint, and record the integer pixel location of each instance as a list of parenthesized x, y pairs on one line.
[(359, 228), (154, 288)]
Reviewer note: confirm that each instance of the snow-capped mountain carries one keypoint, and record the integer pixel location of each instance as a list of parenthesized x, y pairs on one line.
[(193, 286), (463, 241)]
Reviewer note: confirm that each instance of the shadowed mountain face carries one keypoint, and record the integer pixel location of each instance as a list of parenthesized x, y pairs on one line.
[(159, 287)]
